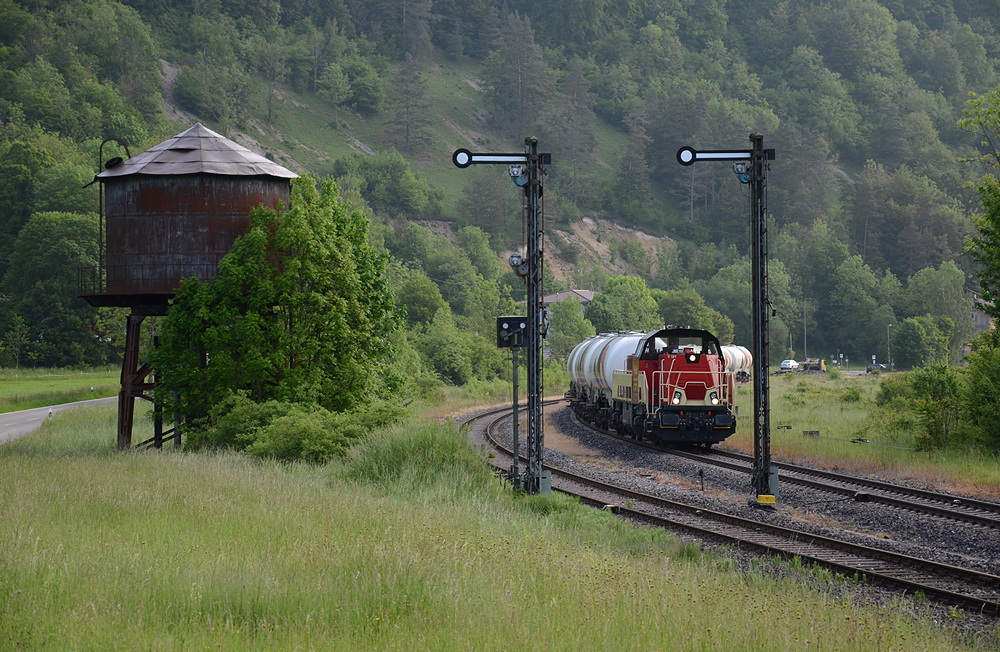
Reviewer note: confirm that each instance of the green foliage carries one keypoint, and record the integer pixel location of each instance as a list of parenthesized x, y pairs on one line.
[(850, 395), (936, 390), (490, 202), (367, 87), (219, 92), (985, 247), (61, 188), (685, 308), (415, 456), (442, 345), (41, 285), (15, 341), (335, 87), (817, 97), (901, 221), (892, 389), (832, 86), (567, 327), (625, 304), (981, 393), (299, 312), (408, 109), (475, 242), (420, 298), (288, 431), (515, 77), (389, 185), (919, 341), (860, 309)]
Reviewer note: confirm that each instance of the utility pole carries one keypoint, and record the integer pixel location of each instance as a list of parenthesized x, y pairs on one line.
[(526, 169), (751, 168)]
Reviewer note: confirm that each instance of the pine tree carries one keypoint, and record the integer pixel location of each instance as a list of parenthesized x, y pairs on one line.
[(408, 107), (515, 77), (571, 123)]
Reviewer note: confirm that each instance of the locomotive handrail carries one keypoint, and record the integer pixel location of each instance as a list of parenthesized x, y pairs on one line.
[(661, 380)]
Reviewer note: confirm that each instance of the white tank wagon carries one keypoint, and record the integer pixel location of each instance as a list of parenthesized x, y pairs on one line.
[(672, 385), (739, 361)]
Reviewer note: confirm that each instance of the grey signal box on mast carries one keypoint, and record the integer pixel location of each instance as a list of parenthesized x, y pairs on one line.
[(512, 332)]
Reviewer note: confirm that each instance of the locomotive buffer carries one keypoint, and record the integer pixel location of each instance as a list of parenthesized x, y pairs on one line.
[(751, 167), (526, 170)]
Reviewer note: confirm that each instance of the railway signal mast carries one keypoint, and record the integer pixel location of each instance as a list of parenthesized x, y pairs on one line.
[(526, 170), (751, 167)]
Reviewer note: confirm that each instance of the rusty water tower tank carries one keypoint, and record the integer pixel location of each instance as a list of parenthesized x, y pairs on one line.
[(174, 211)]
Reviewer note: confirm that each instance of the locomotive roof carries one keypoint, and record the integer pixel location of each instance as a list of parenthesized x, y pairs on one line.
[(680, 332), (199, 150)]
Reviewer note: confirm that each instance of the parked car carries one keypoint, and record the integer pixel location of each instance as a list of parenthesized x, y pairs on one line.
[(875, 368), (788, 365)]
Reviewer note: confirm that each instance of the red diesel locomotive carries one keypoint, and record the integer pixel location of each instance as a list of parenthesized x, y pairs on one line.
[(674, 385)]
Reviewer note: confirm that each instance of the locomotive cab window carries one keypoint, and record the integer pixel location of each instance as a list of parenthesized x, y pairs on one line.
[(689, 345), (651, 349)]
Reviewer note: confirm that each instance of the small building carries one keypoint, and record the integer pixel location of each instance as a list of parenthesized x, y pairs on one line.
[(583, 296), (981, 322)]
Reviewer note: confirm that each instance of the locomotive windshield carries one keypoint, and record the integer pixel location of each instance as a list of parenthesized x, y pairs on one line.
[(666, 342)]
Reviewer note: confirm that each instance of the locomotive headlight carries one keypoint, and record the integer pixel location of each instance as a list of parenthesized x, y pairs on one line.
[(677, 398), (692, 357), (714, 397)]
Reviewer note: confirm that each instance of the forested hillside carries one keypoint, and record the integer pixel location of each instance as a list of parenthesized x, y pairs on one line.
[(860, 99)]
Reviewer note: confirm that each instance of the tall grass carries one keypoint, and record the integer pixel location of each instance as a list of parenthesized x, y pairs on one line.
[(22, 389), (408, 543)]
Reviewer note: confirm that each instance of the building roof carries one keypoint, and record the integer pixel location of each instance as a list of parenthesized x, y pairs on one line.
[(199, 150), (584, 296)]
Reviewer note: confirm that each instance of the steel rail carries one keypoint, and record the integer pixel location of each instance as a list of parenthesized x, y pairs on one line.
[(846, 558), (949, 510), (925, 494)]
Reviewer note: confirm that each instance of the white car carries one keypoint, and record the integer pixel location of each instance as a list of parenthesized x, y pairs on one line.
[(789, 364)]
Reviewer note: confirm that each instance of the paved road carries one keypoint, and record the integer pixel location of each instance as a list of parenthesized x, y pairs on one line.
[(25, 422)]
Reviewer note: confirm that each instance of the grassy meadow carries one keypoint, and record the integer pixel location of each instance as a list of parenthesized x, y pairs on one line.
[(408, 543), (23, 389), (841, 408)]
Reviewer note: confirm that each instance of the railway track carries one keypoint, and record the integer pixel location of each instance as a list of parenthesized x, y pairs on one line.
[(956, 508), (953, 585)]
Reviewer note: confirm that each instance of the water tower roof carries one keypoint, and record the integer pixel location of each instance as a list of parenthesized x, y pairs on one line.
[(199, 150)]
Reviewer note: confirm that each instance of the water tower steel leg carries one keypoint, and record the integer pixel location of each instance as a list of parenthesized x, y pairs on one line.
[(132, 381)]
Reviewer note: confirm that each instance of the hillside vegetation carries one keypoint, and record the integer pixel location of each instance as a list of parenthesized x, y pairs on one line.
[(869, 201)]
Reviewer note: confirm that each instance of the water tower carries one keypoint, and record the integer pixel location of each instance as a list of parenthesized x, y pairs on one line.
[(170, 213)]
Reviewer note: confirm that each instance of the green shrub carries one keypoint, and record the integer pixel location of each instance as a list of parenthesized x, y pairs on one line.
[(232, 420), (289, 431), (850, 395), (417, 454), (892, 388), (303, 433)]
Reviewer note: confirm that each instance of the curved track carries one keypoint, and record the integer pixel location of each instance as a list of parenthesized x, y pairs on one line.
[(953, 585), (940, 505)]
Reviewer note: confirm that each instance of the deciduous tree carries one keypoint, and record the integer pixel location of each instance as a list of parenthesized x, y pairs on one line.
[(299, 312), (567, 327), (625, 304)]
